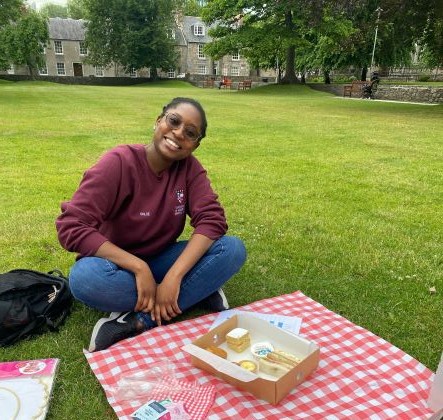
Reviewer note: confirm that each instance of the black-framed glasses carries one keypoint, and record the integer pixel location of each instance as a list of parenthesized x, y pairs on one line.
[(174, 122)]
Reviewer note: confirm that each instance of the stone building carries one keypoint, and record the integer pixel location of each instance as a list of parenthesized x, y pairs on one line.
[(66, 53), (66, 50), (191, 40)]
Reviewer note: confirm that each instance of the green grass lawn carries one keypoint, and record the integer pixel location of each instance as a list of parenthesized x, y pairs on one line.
[(339, 199)]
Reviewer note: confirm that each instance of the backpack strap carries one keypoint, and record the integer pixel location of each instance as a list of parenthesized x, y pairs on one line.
[(54, 324), (57, 273)]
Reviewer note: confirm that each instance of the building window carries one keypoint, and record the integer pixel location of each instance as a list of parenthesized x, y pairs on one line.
[(61, 69), (215, 70), (225, 71), (83, 49), (58, 47), (133, 72), (200, 52), (199, 30), (171, 73), (236, 56), (99, 72), (235, 71), (201, 69), (43, 71)]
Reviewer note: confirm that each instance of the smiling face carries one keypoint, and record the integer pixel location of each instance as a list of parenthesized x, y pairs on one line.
[(176, 133)]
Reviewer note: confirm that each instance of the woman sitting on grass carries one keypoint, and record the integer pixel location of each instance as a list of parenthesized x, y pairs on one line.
[(124, 221)]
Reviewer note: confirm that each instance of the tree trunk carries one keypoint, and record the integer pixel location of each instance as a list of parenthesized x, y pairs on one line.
[(303, 78), (290, 76), (364, 73), (327, 77), (32, 71)]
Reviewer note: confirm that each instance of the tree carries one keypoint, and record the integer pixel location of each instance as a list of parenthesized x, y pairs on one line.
[(10, 11), (250, 27), (77, 9), (191, 8), (52, 10), (431, 41), (133, 33), (326, 45), (401, 25), (237, 23), (24, 40)]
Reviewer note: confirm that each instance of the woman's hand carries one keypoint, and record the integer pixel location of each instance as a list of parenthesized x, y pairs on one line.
[(144, 280), (146, 290), (166, 305), (166, 299)]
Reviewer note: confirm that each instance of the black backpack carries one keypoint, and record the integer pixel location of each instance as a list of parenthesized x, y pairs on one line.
[(29, 301)]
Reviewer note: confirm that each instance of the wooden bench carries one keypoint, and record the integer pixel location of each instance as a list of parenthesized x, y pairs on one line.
[(209, 83), (226, 84), (245, 84), (356, 88)]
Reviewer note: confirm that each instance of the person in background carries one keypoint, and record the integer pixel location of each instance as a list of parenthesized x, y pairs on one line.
[(124, 222), (223, 82), (375, 76)]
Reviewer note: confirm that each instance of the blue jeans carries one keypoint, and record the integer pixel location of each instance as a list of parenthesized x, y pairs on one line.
[(101, 284)]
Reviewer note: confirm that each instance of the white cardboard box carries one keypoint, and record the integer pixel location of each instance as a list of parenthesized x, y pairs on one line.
[(261, 385)]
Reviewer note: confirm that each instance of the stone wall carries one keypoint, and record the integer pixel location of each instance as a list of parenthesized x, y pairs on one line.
[(404, 93), (407, 93)]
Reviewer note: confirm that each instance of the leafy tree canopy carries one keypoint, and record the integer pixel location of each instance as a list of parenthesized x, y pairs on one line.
[(190, 7), (24, 40), (52, 10), (325, 34), (400, 25), (133, 33), (431, 40), (77, 9), (10, 10), (254, 26)]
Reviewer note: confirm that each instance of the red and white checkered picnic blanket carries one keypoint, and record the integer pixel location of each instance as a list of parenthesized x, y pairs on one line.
[(360, 376)]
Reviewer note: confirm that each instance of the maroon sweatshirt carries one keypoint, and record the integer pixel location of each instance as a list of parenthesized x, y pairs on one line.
[(121, 200)]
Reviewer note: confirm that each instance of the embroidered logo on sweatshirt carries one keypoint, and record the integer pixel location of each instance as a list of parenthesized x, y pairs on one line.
[(180, 208), (180, 194)]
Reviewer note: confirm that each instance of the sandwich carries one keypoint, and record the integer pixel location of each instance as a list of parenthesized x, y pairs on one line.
[(278, 363), (283, 357)]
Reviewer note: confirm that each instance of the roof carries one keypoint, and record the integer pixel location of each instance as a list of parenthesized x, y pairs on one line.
[(70, 29), (179, 39), (74, 30), (188, 23)]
